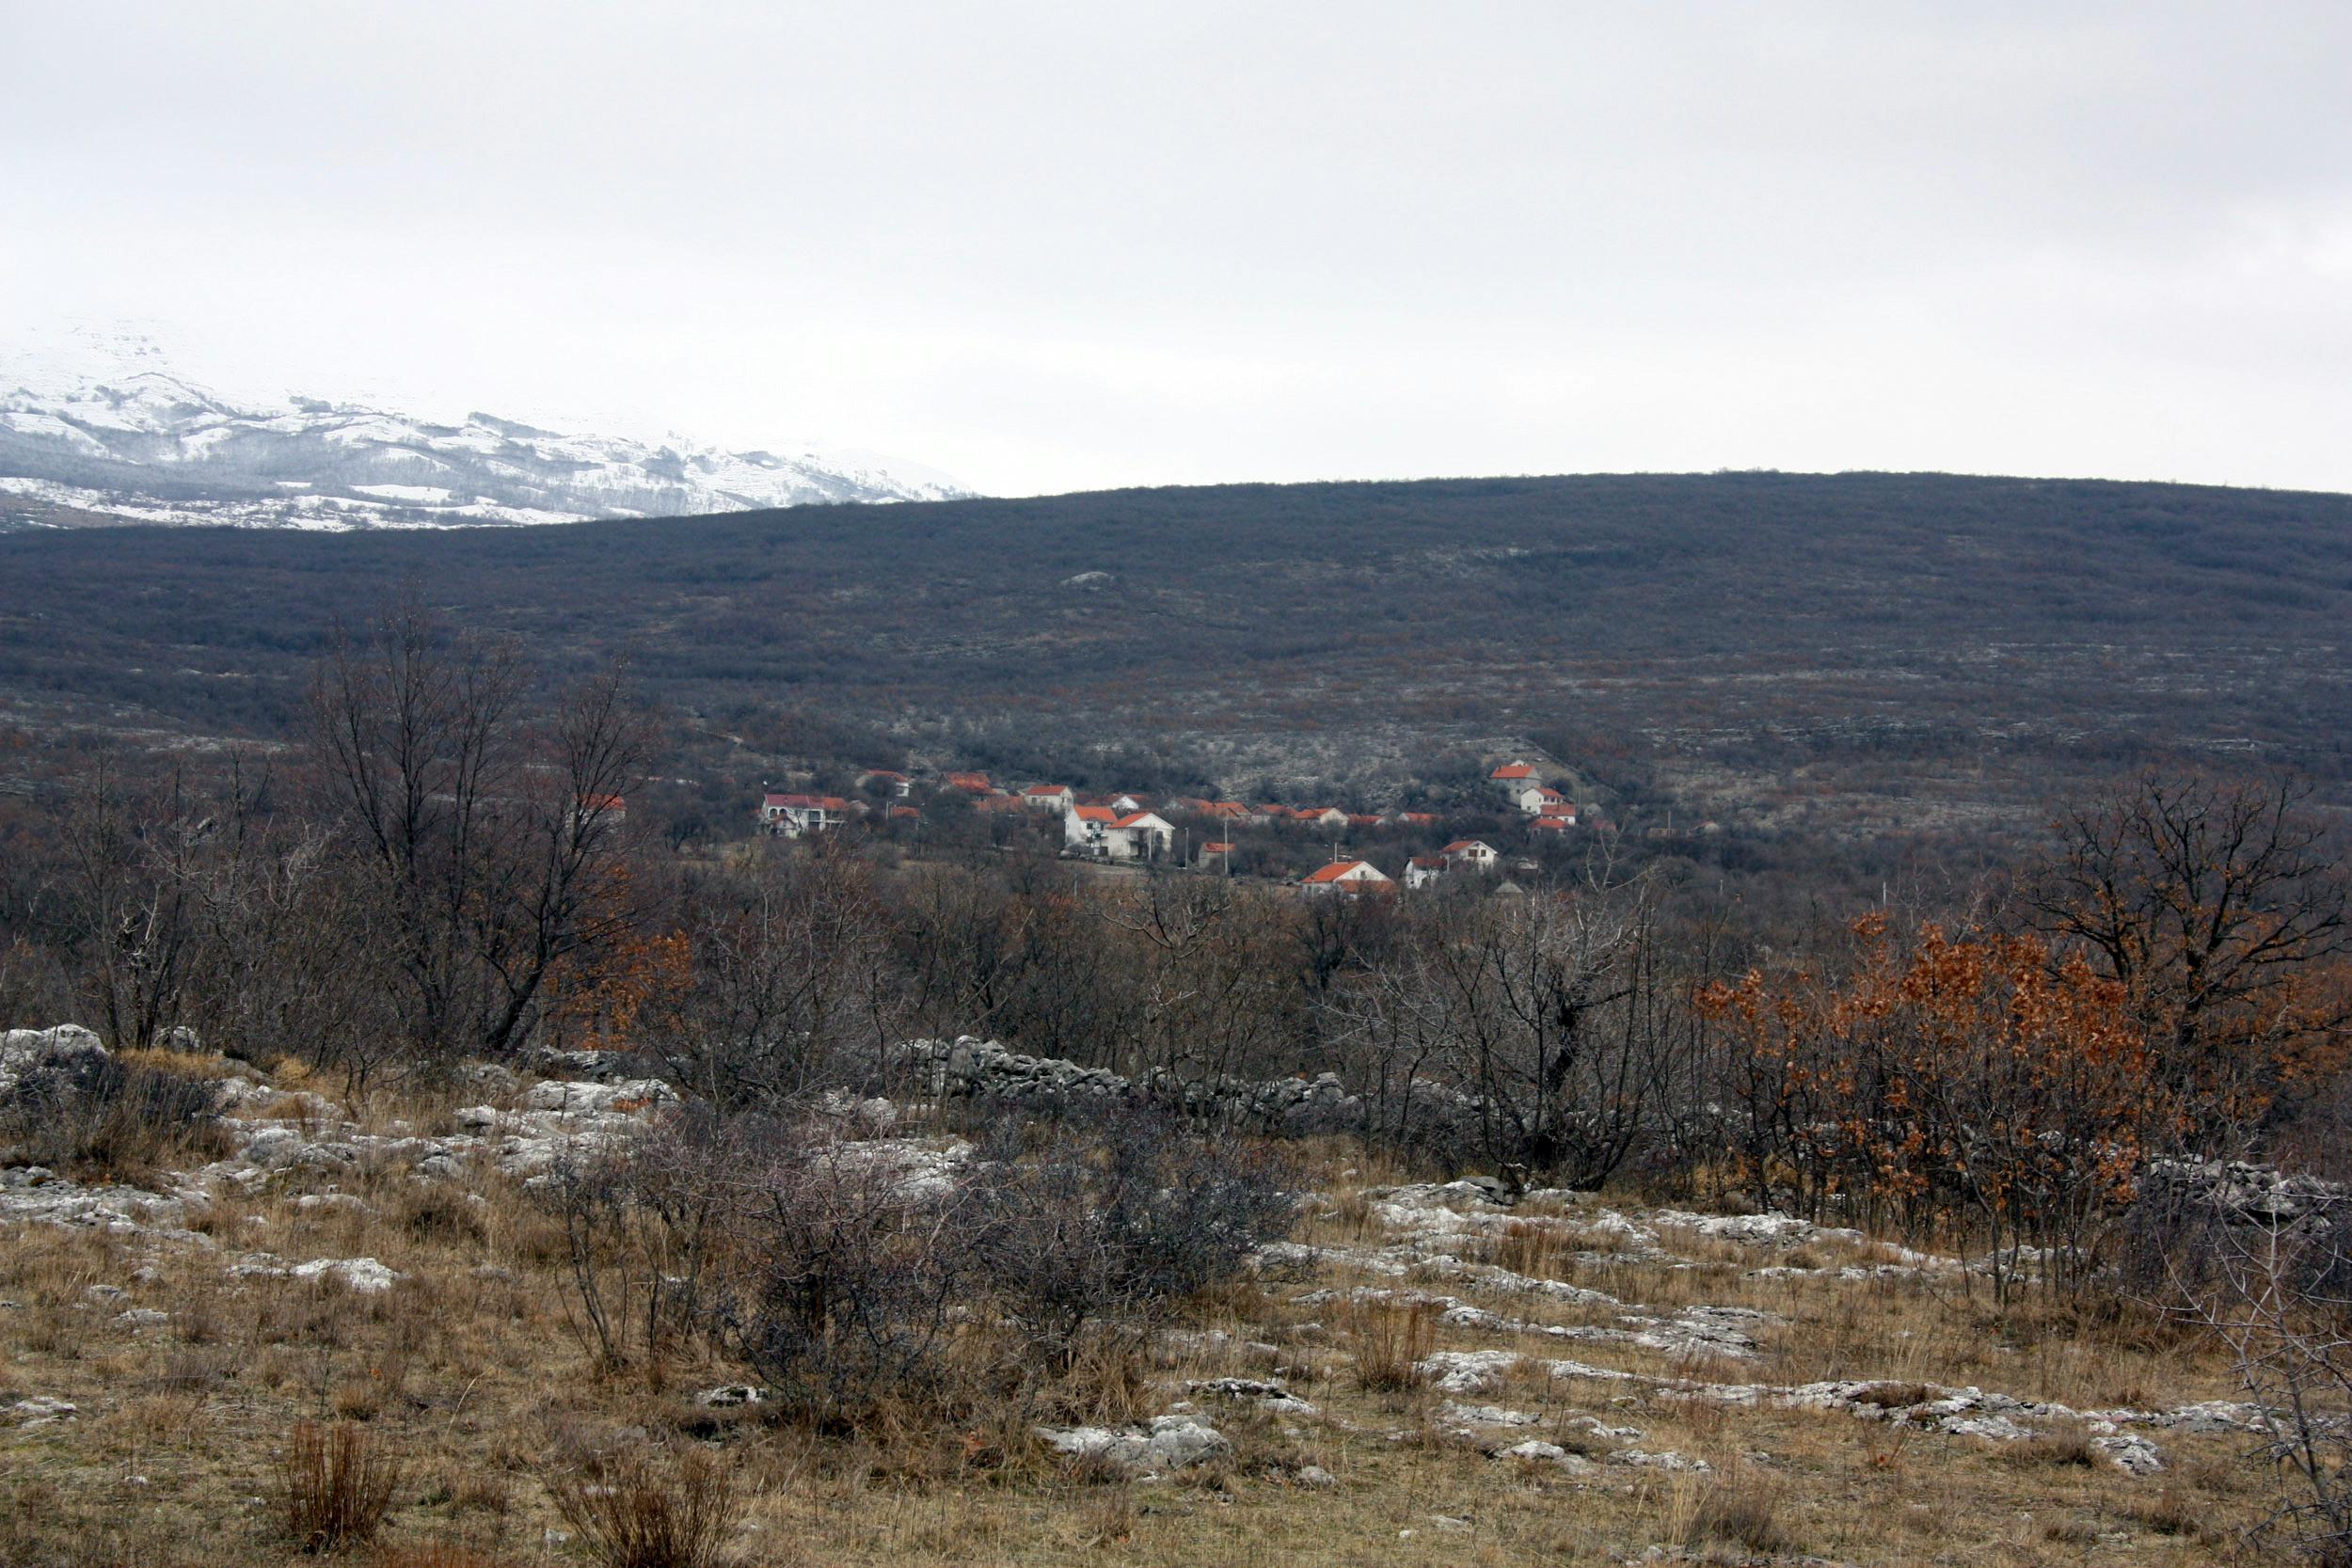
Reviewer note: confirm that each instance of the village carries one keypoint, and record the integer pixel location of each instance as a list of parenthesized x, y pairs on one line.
[(1318, 849)]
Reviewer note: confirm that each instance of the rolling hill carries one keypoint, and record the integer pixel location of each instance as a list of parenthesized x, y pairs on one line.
[(1895, 646)]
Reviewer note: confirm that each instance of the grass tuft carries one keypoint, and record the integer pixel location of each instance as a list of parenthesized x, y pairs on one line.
[(336, 1484)]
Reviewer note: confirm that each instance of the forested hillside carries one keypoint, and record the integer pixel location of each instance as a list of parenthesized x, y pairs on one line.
[(1955, 641)]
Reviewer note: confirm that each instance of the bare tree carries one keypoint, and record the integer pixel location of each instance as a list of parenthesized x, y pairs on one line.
[(2212, 902), (125, 903), (489, 845), (2278, 1299), (794, 986)]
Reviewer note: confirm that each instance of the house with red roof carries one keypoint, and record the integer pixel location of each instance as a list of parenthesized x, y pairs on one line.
[(1100, 832), (1422, 870), (1512, 773), (1346, 876), (1474, 853), (604, 811), (793, 815), (1045, 797), (1533, 798)]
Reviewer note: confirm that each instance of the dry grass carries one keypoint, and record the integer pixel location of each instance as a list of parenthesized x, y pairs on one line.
[(636, 1511), (1389, 1339), (1742, 1511), (440, 1554), (335, 1483), (1537, 1249), (466, 1371)]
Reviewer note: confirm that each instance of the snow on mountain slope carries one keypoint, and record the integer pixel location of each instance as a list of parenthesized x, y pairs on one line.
[(97, 426)]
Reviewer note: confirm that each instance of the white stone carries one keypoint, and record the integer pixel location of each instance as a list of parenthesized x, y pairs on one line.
[(363, 1275), (1168, 1443)]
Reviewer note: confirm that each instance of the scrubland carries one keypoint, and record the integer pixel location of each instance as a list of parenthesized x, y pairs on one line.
[(1641, 1359)]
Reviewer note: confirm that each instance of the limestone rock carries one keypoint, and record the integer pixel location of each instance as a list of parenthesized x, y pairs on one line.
[(363, 1275), (49, 1063), (1267, 1395), (2131, 1453), (1168, 1443), (42, 1410), (730, 1396)]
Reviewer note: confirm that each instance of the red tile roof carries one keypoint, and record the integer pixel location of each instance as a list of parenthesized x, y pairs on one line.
[(1042, 790), (1337, 870), (1217, 847), (806, 802), (1094, 814), (1513, 770)]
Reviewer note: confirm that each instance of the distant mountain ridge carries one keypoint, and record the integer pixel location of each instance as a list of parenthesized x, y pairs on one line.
[(98, 428)]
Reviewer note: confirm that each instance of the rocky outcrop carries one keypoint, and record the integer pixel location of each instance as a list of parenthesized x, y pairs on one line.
[(970, 1069), (1167, 1444), (2238, 1193), (42, 1066)]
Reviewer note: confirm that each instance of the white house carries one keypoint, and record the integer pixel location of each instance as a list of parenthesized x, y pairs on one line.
[(1346, 876), (794, 814), (1473, 853), (1106, 835), (1422, 870), (1042, 797)]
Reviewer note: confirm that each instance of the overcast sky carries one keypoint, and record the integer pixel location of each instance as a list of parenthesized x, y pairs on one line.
[(1052, 246)]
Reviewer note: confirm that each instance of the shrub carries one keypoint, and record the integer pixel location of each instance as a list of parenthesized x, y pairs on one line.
[(118, 1122), (642, 1513), (1116, 1218), (1536, 1250), (852, 1270), (1740, 1512), (1391, 1337), (336, 1486)]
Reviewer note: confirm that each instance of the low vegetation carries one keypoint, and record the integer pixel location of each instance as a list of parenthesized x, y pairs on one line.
[(458, 1173)]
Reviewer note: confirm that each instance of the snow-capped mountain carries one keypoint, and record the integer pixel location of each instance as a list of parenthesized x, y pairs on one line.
[(98, 427)]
